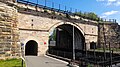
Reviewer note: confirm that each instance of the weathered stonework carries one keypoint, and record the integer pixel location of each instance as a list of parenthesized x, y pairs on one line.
[(109, 34), (46, 22), (20, 23), (9, 34), (23, 23)]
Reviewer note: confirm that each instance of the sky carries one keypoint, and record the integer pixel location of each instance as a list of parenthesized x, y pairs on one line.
[(108, 9)]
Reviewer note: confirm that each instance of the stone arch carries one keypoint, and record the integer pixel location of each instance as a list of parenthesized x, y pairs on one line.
[(61, 23), (31, 48), (64, 39), (29, 39)]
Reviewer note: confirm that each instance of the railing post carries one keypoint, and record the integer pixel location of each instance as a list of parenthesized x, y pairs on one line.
[(94, 52), (75, 10), (111, 57), (27, 1), (59, 6), (36, 6), (73, 43), (70, 9), (52, 4), (65, 8), (45, 3), (22, 63)]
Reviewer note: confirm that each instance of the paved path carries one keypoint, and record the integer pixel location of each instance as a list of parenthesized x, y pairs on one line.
[(43, 61), (118, 65)]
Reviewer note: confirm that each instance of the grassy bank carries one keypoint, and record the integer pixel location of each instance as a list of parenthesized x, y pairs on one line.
[(11, 63)]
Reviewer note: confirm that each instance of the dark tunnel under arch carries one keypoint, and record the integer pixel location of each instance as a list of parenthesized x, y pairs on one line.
[(31, 48), (64, 40)]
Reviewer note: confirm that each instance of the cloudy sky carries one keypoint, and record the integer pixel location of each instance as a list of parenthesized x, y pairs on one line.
[(109, 9), (112, 9)]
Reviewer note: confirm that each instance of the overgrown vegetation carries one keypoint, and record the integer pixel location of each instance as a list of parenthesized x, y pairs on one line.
[(11, 63), (53, 36), (89, 15)]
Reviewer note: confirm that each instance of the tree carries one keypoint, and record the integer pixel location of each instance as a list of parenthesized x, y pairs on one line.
[(89, 15)]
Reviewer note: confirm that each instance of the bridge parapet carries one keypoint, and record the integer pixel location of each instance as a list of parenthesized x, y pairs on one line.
[(37, 22), (37, 7), (42, 19), (5, 1)]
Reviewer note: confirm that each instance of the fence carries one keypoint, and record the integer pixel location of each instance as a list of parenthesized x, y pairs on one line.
[(63, 9)]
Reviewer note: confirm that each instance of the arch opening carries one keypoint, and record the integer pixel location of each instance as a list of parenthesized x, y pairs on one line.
[(61, 41), (31, 48)]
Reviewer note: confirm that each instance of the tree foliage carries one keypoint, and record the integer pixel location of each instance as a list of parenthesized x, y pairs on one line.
[(89, 15)]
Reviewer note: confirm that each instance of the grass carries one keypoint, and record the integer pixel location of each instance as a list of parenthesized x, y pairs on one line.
[(11, 63)]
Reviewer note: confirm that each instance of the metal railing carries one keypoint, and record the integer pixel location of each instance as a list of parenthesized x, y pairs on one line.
[(90, 59), (63, 54), (62, 8)]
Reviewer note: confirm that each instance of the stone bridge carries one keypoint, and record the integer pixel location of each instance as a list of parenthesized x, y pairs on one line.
[(31, 28)]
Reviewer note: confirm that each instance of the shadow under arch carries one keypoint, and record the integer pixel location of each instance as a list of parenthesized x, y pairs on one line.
[(68, 23), (31, 48), (64, 41)]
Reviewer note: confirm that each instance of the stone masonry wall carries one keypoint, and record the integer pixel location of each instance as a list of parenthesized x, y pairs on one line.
[(9, 34), (109, 33), (46, 21), (20, 23)]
